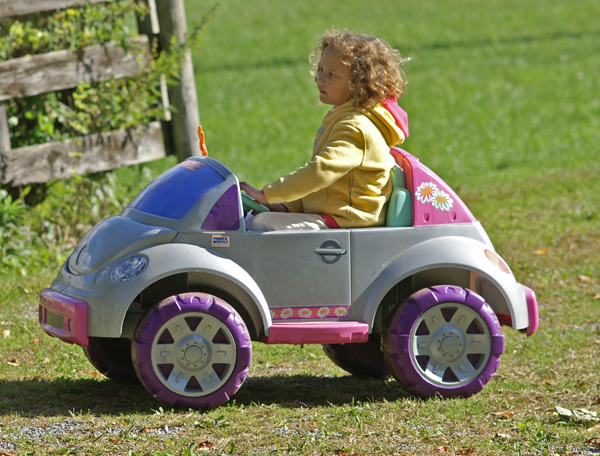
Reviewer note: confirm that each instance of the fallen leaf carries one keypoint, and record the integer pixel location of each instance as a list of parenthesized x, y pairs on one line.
[(467, 451), (499, 436), (205, 444), (540, 252), (507, 414), (442, 449), (575, 415), (594, 442), (6, 333), (595, 428), (37, 341), (46, 360), (584, 279), (596, 296), (13, 362)]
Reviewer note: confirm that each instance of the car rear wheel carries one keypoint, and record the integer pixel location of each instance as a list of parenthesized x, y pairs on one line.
[(112, 357), (192, 350), (444, 340), (362, 360)]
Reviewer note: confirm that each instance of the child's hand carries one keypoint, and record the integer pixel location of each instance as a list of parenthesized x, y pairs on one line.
[(254, 193), (260, 197)]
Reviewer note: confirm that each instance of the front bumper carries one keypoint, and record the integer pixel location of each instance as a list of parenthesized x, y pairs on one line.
[(64, 317)]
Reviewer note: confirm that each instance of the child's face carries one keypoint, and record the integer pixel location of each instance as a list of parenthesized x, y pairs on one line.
[(333, 79)]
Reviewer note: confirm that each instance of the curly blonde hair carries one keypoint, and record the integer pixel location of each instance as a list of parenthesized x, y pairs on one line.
[(375, 67)]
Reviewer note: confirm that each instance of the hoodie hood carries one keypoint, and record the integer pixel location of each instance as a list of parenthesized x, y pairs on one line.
[(390, 119), (388, 123), (399, 114)]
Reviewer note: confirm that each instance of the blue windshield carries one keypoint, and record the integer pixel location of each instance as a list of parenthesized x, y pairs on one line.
[(172, 194)]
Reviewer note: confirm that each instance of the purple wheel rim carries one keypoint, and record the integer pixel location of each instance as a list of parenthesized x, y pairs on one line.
[(444, 340), (192, 350)]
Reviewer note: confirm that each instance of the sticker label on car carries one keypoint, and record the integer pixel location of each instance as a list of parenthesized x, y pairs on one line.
[(220, 241)]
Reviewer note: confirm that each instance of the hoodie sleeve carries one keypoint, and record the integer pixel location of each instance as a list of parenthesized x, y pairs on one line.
[(343, 152)]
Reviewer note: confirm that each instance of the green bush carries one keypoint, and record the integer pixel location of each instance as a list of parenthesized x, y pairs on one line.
[(17, 240)]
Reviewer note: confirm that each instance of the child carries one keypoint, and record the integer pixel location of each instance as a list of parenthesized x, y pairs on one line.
[(347, 181)]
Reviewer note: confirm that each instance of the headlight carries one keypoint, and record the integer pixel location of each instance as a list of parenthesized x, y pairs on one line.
[(129, 269)]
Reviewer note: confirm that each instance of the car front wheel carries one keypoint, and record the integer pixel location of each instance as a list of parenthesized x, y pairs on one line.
[(192, 350)]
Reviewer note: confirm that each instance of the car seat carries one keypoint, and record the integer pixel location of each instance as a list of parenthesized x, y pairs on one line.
[(399, 212)]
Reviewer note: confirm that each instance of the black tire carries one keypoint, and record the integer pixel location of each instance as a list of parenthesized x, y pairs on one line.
[(362, 360), (112, 358)]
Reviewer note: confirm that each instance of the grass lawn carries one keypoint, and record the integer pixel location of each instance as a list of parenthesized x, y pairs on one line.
[(504, 104)]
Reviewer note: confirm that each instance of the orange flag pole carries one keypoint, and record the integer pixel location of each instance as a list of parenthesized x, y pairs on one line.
[(203, 149)]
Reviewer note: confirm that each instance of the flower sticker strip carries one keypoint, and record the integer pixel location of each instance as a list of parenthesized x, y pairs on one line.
[(298, 313), (429, 193)]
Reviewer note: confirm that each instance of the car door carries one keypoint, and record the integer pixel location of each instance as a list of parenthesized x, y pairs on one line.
[(303, 274)]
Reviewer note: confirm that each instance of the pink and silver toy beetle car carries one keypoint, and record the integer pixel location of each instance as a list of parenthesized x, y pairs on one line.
[(174, 289)]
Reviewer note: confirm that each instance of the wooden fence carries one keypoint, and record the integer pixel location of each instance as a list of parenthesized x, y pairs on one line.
[(27, 76)]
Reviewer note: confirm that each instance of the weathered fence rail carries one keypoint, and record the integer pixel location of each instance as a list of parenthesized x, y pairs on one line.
[(9, 8), (58, 70), (27, 76)]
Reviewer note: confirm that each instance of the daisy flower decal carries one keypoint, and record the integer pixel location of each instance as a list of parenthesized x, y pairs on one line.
[(305, 313), (341, 312), (442, 201), (286, 313), (426, 191), (323, 312)]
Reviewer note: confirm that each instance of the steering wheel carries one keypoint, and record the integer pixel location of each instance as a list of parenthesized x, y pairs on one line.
[(250, 204)]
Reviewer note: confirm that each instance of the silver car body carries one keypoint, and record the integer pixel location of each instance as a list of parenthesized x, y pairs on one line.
[(319, 279)]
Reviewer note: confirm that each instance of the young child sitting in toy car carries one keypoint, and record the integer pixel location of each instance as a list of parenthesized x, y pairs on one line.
[(346, 183)]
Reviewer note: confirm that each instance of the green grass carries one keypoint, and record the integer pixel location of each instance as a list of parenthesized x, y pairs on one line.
[(504, 104)]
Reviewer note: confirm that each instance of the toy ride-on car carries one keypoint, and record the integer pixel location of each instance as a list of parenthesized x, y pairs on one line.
[(174, 290)]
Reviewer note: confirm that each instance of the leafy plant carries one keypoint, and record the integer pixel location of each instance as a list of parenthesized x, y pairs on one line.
[(16, 238), (71, 28)]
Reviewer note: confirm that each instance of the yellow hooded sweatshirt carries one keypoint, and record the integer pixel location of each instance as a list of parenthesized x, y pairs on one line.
[(348, 177)]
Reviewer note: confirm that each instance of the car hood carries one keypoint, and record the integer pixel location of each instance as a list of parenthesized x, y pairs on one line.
[(112, 238)]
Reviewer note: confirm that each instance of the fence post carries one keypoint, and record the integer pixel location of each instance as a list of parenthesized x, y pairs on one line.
[(4, 139), (185, 118)]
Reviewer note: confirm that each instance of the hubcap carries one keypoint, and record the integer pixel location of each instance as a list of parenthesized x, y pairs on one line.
[(450, 344), (193, 354)]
